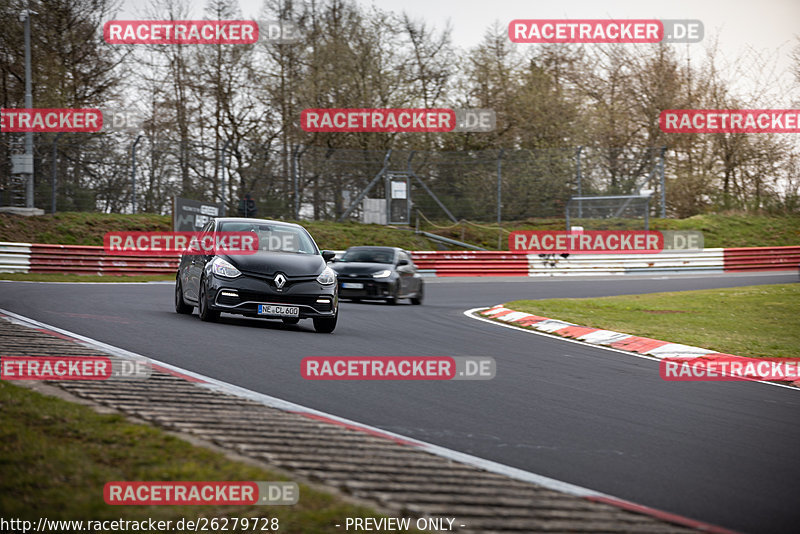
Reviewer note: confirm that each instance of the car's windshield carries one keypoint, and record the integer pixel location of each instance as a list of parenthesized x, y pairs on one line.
[(367, 255), (275, 237)]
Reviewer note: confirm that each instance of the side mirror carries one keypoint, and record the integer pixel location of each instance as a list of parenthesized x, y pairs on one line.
[(402, 262), (328, 255)]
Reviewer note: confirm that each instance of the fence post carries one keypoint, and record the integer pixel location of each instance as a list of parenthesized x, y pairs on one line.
[(663, 183), (224, 165), (53, 172), (499, 199), (29, 191), (133, 172), (295, 178), (580, 187)]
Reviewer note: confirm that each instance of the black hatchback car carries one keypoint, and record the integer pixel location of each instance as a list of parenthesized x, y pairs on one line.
[(379, 273), (287, 278)]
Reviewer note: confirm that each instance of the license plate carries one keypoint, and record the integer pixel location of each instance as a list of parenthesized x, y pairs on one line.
[(280, 311), (352, 285)]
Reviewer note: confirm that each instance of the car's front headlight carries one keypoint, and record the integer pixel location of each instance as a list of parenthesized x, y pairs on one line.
[(327, 277), (221, 267), (382, 274)]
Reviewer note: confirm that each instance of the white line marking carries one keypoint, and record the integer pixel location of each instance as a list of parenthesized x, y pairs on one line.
[(280, 404), (471, 314)]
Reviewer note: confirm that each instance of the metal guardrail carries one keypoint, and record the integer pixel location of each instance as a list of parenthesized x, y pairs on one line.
[(15, 257), (472, 263), (77, 259), (762, 258), (705, 260)]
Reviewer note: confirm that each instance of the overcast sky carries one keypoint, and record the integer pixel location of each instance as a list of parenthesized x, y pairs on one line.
[(769, 27)]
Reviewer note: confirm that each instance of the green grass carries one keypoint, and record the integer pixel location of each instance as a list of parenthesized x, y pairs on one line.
[(56, 456), (48, 277), (720, 230), (88, 228), (757, 321)]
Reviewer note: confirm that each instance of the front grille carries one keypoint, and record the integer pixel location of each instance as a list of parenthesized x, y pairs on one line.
[(371, 288), (258, 296)]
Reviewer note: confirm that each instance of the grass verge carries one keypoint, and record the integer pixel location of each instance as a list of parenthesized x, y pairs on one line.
[(56, 456), (88, 228), (719, 230), (757, 321)]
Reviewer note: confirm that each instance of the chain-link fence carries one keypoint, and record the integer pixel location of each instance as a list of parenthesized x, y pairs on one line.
[(79, 172)]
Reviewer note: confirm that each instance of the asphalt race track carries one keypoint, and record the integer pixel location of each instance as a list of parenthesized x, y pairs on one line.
[(723, 452)]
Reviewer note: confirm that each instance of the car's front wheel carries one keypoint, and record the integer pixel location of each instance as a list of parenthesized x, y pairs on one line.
[(394, 298), (325, 325), (180, 304), (417, 299), (203, 310)]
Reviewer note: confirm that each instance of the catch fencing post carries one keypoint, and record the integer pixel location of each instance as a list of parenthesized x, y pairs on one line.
[(133, 172), (53, 171), (499, 199), (578, 171), (224, 164), (663, 183)]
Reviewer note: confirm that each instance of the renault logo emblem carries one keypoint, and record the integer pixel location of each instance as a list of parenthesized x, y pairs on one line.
[(280, 280)]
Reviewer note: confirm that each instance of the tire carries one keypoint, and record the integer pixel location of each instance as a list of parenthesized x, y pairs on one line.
[(205, 314), (325, 325), (393, 299), (417, 299), (180, 305), (290, 320)]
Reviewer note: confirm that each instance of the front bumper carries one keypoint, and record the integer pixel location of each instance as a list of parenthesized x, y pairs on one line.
[(242, 296), (372, 288)]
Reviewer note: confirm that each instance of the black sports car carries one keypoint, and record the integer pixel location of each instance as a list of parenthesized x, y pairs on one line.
[(386, 273), (287, 278)]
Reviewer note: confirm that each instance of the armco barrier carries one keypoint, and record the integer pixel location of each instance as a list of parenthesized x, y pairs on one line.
[(707, 260), (15, 257), (762, 258), (472, 263), (77, 259)]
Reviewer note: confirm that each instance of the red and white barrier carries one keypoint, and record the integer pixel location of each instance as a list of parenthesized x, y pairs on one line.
[(79, 259)]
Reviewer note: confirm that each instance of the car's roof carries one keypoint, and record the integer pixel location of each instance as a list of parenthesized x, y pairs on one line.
[(373, 247), (258, 221)]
